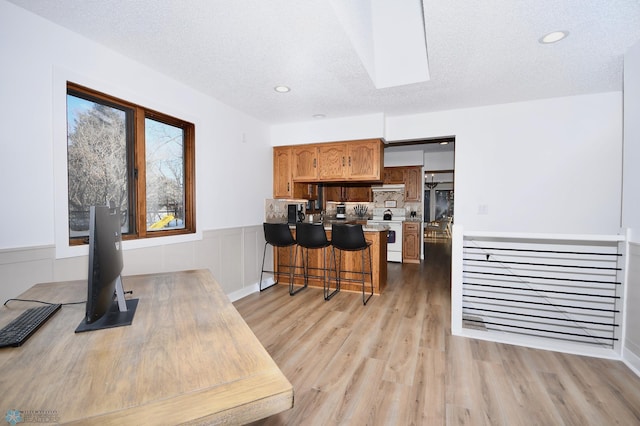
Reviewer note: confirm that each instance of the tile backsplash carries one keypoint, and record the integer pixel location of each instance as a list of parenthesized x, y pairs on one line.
[(379, 199), (276, 209)]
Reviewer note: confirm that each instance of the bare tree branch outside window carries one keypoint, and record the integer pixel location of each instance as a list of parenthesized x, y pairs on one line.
[(165, 175), (97, 160)]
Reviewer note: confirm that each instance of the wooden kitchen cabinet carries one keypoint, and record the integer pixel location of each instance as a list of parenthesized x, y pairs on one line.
[(411, 242), (410, 176), (351, 161), (348, 193), (307, 191), (282, 181), (393, 175), (355, 160), (365, 160), (305, 162), (413, 183), (333, 193), (359, 193)]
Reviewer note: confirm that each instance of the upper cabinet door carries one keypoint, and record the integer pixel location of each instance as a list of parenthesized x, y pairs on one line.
[(305, 163), (365, 160), (413, 183), (358, 193), (334, 193), (332, 160), (393, 175), (282, 185)]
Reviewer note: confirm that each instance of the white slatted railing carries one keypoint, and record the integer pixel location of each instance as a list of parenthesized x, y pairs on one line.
[(554, 291)]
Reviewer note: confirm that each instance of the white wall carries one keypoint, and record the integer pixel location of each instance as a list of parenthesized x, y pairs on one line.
[(232, 148), (403, 158), (439, 160), (631, 201), (328, 130), (631, 195), (552, 165)]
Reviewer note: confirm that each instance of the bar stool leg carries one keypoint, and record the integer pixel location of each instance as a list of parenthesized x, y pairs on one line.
[(275, 276), (292, 289), (365, 300), (328, 294)]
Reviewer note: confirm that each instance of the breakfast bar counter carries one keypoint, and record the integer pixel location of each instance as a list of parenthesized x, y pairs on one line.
[(351, 261)]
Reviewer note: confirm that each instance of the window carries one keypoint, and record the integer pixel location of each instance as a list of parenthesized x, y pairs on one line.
[(125, 155), (444, 204)]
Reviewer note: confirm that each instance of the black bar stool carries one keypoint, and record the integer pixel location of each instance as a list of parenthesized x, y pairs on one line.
[(278, 235), (314, 237), (350, 237)]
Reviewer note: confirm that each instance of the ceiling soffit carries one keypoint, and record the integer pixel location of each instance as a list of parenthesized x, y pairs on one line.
[(389, 37)]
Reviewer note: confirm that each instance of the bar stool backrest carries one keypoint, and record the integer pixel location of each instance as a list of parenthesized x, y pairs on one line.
[(348, 236), (309, 235), (278, 234)]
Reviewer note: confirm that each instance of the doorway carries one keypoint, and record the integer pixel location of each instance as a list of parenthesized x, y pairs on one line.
[(437, 158)]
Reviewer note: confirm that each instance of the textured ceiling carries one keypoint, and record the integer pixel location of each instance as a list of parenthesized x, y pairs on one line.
[(479, 52)]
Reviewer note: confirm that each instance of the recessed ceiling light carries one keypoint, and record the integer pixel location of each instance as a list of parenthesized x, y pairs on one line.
[(318, 116), (554, 37), (281, 89), (444, 143)]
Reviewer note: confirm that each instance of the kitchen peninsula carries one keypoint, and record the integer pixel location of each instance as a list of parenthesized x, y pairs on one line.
[(346, 169), (351, 261)]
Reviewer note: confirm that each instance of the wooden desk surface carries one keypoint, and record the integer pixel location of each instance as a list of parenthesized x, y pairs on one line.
[(188, 357)]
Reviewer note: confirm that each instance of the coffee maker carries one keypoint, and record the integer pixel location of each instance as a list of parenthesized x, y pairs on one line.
[(295, 213), (341, 211)]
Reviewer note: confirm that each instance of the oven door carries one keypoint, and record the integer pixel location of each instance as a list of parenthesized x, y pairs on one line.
[(394, 242), (394, 239)]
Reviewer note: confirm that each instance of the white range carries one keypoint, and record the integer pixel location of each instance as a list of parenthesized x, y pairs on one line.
[(394, 236)]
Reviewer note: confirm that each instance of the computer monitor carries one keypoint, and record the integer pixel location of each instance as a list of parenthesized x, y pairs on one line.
[(106, 306)]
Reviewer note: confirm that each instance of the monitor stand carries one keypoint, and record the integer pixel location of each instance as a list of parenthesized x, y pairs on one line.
[(120, 314)]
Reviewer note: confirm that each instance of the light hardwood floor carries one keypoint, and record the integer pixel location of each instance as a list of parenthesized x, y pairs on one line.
[(395, 362)]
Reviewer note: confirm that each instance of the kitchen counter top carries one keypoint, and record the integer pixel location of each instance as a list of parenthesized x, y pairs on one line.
[(365, 227), (328, 222)]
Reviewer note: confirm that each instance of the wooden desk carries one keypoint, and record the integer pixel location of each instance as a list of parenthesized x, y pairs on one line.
[(188, 357)]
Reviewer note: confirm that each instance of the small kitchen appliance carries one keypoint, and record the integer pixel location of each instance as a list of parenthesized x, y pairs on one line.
[(294, 213), (341, 211)]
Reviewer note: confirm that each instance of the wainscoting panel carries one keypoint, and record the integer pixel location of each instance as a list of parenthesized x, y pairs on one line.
[(21, 268), (233, 256)]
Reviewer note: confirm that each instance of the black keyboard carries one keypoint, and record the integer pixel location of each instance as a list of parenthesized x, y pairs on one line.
[(20, 329)]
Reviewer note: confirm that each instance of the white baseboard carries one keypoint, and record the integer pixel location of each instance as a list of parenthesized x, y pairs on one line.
[(243, 292), (631, 360)]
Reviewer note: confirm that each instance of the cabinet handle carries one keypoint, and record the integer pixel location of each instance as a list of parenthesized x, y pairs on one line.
[(314, 163), (349, 161), (343, 162), (288, 187)]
